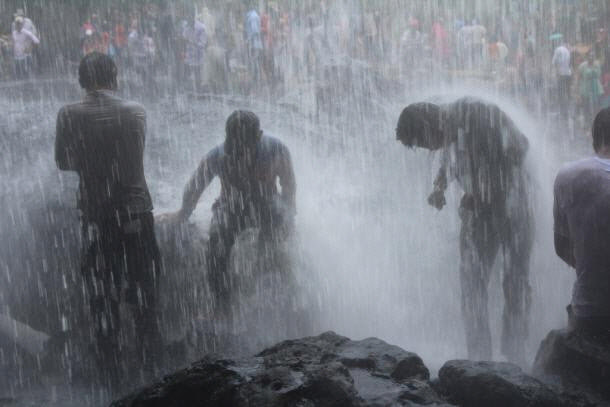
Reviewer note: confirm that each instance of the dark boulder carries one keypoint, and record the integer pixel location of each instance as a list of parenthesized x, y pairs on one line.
[(496, 384), (325, 370), (579, 363)]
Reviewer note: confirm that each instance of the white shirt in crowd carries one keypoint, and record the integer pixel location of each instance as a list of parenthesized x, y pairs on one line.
[(561, 61), (27, 24), (23, 41)]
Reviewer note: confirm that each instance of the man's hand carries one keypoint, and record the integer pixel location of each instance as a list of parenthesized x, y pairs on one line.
[(437, 199)]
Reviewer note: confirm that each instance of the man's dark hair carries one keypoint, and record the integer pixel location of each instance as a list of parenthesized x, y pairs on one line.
[(417, 119), (601, 129), (97, 71), (243, 130)]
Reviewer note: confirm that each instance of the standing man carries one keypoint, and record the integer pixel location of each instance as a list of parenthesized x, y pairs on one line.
[(254, 43), (102, 139), (582, 232), (249, 165), (483, 149), (23, 44), (562, 63), (28, 24), (196, 42)]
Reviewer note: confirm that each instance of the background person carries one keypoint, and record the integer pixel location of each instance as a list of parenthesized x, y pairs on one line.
[(589, 87), (196, 42), (562, 62), (23, 44)]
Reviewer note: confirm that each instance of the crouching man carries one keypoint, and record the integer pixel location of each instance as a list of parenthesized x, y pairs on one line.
[(249, 165)]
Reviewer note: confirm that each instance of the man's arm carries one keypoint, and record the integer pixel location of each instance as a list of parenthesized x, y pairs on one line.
[(555, 58), (201, 178), (287, 180), (138, 123), (437, 197), (33, 37), (65, 156), (514, 143), (203, 38), (564, 249), (563, 243)]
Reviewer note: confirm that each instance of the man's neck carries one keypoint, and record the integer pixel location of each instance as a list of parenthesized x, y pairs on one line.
[(604, 152), (100, 90)]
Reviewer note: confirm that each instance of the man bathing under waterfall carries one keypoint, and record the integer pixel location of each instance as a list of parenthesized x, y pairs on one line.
[(581, 214), (483, 149), (248, 164)]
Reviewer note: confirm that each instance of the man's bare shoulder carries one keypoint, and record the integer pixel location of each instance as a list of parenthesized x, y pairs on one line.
[(273, 144), (132, 107), (575, 168), (70, 108), (574, 171)]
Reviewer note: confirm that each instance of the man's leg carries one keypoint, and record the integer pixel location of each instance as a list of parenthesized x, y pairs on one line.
[(517, 291), (562, 97), (19, 69), (475, 267), (143, 262), (222, 236), (102, 291)]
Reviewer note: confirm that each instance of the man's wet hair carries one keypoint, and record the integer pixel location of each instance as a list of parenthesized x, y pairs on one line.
[(416, 119), (97, 71), (242, 129), (601, 129)]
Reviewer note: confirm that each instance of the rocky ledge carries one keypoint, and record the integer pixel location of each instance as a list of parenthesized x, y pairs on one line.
[(332, 370), (580, 364)]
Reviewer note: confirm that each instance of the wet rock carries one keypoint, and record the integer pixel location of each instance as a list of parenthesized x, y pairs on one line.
[(325, 370), (580, 363), (497, 384)]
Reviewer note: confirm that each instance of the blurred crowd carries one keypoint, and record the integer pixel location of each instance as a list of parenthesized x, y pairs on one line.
[(556, 58)]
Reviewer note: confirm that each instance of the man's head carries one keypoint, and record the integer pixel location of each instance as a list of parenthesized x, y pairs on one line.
[(19, 23), (419, 125), (243, 133), (97, 71), (601, 131)]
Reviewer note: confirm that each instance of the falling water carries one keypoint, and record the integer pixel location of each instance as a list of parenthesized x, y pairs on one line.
[(370, 256)]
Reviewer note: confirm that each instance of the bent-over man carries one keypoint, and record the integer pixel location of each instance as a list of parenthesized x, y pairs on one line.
[(483, 149)]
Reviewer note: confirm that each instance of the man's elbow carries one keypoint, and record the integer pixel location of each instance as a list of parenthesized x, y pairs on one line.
[(64, 164)]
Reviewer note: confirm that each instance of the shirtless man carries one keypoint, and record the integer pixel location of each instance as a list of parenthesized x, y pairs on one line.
[(484, 151), (248, 164)]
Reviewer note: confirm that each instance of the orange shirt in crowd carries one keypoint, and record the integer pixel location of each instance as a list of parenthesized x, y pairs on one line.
[(120, 36)]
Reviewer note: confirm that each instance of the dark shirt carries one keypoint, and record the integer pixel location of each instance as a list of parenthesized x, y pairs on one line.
[(102, 139), (246, 189), (582, 216)]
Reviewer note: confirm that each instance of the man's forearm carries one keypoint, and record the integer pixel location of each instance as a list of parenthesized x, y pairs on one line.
[(440, 182), (189, 199), (194, 188), (64, 157)]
